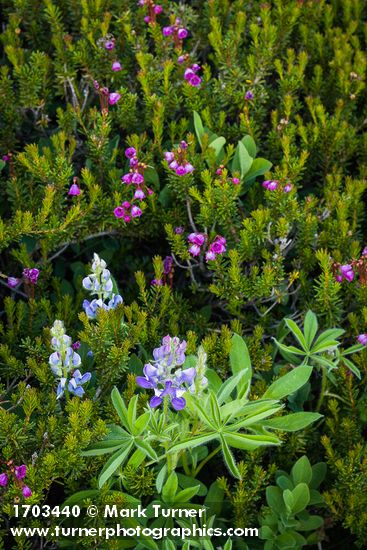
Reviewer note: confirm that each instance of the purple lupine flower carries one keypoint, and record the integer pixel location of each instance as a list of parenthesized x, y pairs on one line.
[(182, 33), (119, 212), (26, 491), (20, 471), (179, 230), (249, 96), (167, 31), (13, 282), (3, 480), (196, 238), (139, 194), (137, 178), (77, 381), (136, 212), (113, 98), (74, 190), (130, 152), (116, 66), (362, 339), (31, 274)]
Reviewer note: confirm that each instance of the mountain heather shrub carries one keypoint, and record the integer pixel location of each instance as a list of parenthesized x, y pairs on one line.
[(183, 269)]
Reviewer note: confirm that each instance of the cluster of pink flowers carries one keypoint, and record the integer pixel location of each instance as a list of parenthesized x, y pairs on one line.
[(18, 473), (177, 32), (135, 176), (106, 97), (347, 272), (30, 275), (197, 240), (191, 77), (177, 160), (153, 10), (221, 171), (272, 185)]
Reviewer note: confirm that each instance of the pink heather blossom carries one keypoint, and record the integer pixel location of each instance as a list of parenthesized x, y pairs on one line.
[(169, 156), (109, 44), (182, 33), (156, 282), (158, 9), (183, 144), (347, 272), (196, 238), (119, 212), (195, 80), (189, 168), (339, 278), (20, 471), (31, 274), (167, 31), (116, 66), (13, 282), (26, 491), (130, 152), (126, 204), (181, 59), (362, 339), (194, 250), (188, 74), (210, 256), (147, 19), (74, 190), (139, 194), (134, 162), (173, 165), (150, 191), (127, 218), (236, 181), (127, 178), (288, 188), (364, 251), (136, 212), (219, 171), (179, 230), (137, 178), (5, 158), (249, 95), (180, 170), (217, 247), (3, 480), (113, 98)]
